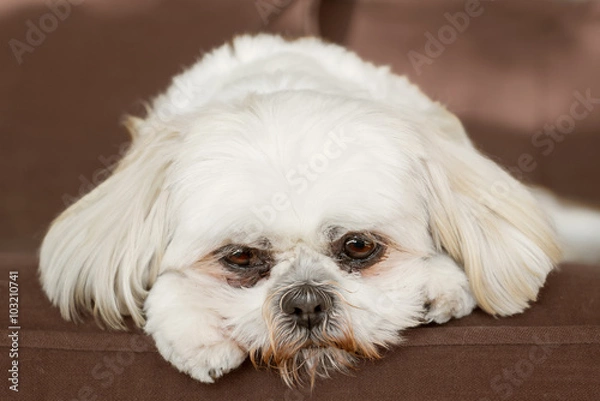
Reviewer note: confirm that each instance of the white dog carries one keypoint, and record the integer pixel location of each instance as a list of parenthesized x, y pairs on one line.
[(290, 202)]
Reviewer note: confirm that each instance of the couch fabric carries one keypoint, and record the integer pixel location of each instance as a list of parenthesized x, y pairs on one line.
[(510, 70)]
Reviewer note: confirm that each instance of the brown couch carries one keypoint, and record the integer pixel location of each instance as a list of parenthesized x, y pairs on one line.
[(510, 69)]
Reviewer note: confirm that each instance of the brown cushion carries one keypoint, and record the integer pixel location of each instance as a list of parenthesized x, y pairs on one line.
[(549, 352)]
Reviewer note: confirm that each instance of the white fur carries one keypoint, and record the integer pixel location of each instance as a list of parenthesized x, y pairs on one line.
[(448, 291), (219, 160)]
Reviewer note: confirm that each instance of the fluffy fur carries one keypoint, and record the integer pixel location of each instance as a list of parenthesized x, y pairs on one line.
[(286, 147)]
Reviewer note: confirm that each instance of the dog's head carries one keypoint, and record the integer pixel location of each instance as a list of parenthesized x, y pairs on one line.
[(304, 222)]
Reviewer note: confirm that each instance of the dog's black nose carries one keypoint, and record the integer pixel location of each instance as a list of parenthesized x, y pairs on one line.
[(308, 305)]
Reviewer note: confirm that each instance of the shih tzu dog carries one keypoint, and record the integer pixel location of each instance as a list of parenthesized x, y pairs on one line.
[(287, 201)]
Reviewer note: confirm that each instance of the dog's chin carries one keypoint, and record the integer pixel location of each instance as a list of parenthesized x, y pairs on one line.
[(303, 360), (305, 364)]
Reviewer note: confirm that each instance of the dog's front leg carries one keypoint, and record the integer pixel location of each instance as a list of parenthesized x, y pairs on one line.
[(447, 291), (187, 331)]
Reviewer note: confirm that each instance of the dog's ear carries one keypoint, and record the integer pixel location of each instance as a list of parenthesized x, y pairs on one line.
[(487, 221), (103, 252)]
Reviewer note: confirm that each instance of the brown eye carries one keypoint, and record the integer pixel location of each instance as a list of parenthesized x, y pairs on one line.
[(241, 257), (357, 251), (357, 247)]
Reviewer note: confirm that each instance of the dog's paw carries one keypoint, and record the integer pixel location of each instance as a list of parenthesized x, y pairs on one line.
[(205, 363), (189, 337), (455, 303), (214, 361), (448, 293)]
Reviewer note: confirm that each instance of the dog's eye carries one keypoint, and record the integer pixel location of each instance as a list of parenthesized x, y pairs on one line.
[(356, 251), (242, 257), (244, 266), (358, 247)]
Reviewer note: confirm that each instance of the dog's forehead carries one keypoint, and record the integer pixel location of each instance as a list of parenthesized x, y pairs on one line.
[(278, 168)]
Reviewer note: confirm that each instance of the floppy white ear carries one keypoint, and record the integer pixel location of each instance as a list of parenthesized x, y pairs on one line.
[(102, 253), (488, 222)]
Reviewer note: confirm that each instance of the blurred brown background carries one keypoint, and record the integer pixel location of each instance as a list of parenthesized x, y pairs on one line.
[(509, 69)]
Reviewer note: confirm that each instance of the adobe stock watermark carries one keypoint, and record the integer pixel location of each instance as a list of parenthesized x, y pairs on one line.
[(583, 104), (13, 330), (105, 371), (446, 35), (37, 30), (507, 383), (267, 9), (176, 99), (86, 185), (556, 132), (300, 178)]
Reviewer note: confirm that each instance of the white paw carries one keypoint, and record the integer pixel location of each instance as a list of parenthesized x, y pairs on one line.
[(186, 334), (448, 293), (212, 362), (451, 304), (204, 363)]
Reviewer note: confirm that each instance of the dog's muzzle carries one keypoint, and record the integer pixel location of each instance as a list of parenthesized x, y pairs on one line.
[(307, 305)]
